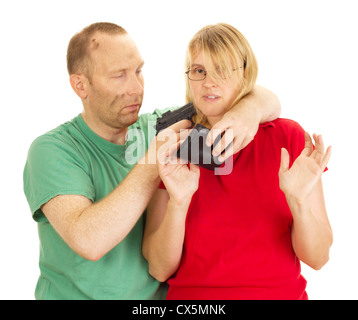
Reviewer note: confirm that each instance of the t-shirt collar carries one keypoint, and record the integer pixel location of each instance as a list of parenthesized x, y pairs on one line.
[(89, 133), (267, 124)]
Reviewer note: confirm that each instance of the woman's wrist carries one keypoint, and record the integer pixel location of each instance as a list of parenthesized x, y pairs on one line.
[(182, 203), (297, 205)]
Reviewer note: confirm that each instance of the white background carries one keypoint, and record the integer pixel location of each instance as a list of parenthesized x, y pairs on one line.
[(307, 53)]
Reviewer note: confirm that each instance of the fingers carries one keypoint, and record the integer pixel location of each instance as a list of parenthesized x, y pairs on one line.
[(285, 160), (319, 148), (234, 138), (307, 151), (184, 134), (162, 157), (169, 156), (212, 135), (233, 148), (182, 124), (226, 142), (194, 168), (326, 158), (168, 139), (218, 129), (317, 151), (228, 153)]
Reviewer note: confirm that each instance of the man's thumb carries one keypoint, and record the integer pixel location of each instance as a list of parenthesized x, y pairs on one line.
[(285, 160)]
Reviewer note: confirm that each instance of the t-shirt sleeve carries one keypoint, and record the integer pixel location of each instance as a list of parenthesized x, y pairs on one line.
[(53, 168), (294, 135), (161, 185), (296, 141)]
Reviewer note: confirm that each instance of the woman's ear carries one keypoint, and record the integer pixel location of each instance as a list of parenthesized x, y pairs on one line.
[(79, 85)]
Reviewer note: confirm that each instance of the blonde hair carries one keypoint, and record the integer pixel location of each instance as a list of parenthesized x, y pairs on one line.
[(225, 46), (78, 51)]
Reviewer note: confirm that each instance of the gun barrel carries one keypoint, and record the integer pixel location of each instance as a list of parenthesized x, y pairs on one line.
[(170, 117)]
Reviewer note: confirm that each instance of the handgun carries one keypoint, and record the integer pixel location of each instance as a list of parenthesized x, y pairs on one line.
[(170, 117), (195, 150)]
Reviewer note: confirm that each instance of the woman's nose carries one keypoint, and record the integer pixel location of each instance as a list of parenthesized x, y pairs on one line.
[(209, 81)]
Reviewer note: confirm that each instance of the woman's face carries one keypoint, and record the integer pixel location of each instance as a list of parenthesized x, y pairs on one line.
[(213, 97)]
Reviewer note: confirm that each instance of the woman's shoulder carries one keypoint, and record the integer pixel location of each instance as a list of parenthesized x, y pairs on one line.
[(286, 127), (283, 131), (287, 124)]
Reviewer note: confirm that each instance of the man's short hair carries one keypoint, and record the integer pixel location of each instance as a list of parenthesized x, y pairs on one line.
[(78, 51)]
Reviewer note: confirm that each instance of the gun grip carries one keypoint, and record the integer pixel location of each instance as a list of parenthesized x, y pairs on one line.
[(195, 150)]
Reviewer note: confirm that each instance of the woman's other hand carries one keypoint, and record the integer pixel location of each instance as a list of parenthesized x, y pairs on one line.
[(299, 180)]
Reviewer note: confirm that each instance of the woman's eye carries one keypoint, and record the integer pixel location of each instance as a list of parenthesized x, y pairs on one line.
[(199, 71)]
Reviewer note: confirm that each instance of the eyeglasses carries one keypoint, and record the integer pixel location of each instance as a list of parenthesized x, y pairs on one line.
[(199, 74)]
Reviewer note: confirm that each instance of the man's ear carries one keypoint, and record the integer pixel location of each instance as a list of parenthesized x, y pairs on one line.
[(79, 85)]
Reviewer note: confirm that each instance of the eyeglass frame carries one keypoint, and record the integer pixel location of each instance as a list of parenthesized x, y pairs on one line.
[(205, 73)]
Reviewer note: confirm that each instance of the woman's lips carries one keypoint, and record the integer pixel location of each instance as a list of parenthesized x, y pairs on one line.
[(211, 97)]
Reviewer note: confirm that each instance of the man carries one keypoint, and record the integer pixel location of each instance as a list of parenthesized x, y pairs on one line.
[(87, 198)]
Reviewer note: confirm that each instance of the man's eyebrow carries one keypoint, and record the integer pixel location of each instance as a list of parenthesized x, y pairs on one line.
[(115, 71)]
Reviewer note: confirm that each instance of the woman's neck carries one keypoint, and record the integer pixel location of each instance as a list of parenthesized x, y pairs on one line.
[(211, 121)]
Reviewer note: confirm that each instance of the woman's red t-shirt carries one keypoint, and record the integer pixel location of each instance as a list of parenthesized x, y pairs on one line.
[(238, 228)]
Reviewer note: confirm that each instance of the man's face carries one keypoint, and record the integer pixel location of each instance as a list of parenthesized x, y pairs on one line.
[(115, 90)]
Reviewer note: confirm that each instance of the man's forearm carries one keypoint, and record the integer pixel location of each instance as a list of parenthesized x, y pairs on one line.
[(122, 208), (116, 214), (265, 102), (93, 229)]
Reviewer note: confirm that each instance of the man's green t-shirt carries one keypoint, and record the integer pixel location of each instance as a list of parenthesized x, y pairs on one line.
[(72, 159)]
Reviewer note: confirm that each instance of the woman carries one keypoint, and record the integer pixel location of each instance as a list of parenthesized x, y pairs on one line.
[(242, 235)]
